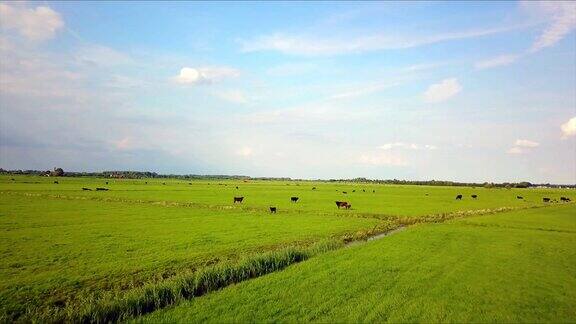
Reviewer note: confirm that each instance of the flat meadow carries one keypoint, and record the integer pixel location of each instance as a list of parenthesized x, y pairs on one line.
[(65, 249)]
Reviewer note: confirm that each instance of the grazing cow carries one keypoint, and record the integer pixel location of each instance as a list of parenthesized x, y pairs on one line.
[(12, 179), (344, 192), (106, 182), (474, 196), (313, 188), (55, 182), (565, 199), (519, 197), (164, 183), (546, 199), (273, 210), (101, 189), (236, 187), (363, 190), (353, 190), (146, 182), (459, 197), (293, 199), (238, 199), (86, 189), (425, 194), (373, 191), (189, 183), (343, 204)]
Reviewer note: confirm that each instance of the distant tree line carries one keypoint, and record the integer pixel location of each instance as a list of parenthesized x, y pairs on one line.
[(58, 172)]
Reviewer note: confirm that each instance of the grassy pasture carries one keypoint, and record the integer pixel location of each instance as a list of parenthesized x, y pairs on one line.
[(387, 199), (60, 244), (53, 249), (512, 267)]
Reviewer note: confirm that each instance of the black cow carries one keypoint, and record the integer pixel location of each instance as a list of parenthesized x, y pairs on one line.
[(238, 199), (293, 199), (343, 204), (273, 210), (313, 188), (519, 197), (86, 189), (106, 182), (236, 187), (146, 182), (55, 182), (373, 191), (353, 190), (363, 190), (474, 196), (164, 183), (546, 199), (459, 197), (189, 183), (101, 189), (565, 199), (344, 192)]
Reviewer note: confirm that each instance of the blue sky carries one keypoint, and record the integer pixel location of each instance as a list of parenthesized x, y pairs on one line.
[(465, 91)]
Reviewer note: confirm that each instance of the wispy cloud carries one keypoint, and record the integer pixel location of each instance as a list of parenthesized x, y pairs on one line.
[(326, 45), (526, 143), (35, 24), (364, 90), (568, 128), (202, 75), (501, 60), (382, 159), (234, 96), (442, 91), (409, 146), (561, 16)]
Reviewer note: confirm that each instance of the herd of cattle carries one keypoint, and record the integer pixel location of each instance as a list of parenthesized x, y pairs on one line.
[(345, 204)]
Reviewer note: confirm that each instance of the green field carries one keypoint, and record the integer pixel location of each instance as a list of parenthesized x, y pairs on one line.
[(513, 267), (65, 249)]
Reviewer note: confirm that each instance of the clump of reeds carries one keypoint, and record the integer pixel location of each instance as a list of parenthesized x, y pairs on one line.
[(154, 296)]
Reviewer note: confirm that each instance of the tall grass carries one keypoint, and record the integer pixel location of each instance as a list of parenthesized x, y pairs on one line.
[(151, 297)]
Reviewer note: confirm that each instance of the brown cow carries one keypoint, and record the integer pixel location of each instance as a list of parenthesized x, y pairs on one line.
[(238, 199)]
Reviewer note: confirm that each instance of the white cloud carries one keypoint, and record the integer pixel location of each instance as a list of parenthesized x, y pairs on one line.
[(569, 128), (201, 75), (36, 24), (516, 150), (409, 146), (245, 152), (562, 20), (442, 91), (526, 143), (123, 144), (497, 61), (522, 146), (325, 45), (382, 159)]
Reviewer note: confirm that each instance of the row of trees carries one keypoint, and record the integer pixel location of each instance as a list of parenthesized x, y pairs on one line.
[(145, 174)]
